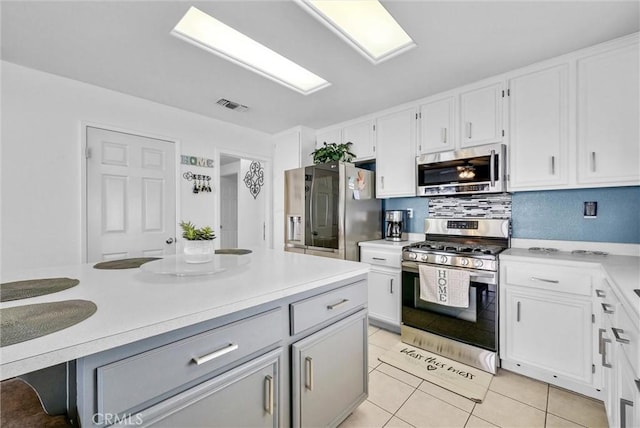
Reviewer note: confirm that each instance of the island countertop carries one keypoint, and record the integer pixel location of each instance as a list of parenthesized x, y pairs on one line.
[(134, 304)]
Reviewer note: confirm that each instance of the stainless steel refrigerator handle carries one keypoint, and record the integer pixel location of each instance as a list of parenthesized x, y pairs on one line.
[(310, 213), (268, 394), (492, 167)]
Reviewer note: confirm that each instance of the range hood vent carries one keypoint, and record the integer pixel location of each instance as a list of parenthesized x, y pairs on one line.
[(232, 105)]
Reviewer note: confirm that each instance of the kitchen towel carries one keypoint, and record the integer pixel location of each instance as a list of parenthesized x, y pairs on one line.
[(449, 287)]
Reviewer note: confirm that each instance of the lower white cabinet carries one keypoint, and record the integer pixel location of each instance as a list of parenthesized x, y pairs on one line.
[(329, 374), (384, 295), (247, 396), (547, 330)]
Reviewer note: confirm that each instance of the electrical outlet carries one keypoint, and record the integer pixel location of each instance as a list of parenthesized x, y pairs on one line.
[(590, 209), (410, 212)]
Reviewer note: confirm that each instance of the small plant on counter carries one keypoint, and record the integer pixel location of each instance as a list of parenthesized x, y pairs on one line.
[(191, 233), (333, 152)]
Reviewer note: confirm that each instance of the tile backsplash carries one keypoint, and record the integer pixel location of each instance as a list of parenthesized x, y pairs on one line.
[(553, 214), (489, 206)]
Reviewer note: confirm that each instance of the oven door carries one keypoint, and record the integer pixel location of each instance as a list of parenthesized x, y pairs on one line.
[(476, 325)]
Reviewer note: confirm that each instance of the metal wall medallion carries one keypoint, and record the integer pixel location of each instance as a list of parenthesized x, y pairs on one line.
[(254, 179)]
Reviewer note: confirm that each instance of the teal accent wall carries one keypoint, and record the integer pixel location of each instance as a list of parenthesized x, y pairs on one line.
[(558, 214)]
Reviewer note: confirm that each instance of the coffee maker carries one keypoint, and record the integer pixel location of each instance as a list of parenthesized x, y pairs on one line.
[(395, 223)]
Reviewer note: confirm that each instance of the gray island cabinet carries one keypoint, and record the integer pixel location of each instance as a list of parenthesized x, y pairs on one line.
[(291, 352)]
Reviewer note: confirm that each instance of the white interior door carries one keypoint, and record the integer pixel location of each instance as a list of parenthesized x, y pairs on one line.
[(131, 196), (229, 211)]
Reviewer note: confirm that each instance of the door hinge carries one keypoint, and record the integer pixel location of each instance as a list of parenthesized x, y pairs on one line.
[(503, 93), (593, 368), (593, 318), (416, 116), (508, 92), (503, 132), (374, 127)]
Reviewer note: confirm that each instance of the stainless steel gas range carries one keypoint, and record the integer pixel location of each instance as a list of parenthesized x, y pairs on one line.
[(468, 334)]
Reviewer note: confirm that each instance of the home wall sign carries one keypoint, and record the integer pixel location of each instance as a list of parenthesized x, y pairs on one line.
[(254, 178), (196, 161)]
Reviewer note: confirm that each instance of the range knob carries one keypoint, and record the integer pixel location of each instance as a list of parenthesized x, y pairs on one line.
[(464, 262), (442, 259), (477, 263), (424, 257), (413, 256)]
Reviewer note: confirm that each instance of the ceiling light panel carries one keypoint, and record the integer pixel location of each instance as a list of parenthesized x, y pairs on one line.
[(364, 24), (208, 33)]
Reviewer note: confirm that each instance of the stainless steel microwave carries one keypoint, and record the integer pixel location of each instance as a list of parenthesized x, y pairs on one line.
[(481, 169)]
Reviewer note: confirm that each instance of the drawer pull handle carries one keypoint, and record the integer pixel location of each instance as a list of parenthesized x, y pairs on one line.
[(607, 308), (335, 305), (551, 281), (616, 333), (268, 405), (600, 293), (623, 413), (379, 258), (391, 286), (219, 353), (308, 362), (604, 354)]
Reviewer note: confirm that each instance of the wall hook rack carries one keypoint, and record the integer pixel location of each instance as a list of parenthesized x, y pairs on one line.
[(201, 183)]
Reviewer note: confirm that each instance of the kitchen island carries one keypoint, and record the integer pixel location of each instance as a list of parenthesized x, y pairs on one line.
[(165, 346)]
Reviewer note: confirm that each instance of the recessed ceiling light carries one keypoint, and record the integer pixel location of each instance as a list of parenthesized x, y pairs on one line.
[(208, 33), (364, 24)]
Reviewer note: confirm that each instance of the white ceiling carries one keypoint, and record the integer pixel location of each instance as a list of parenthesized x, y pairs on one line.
[(126, 46)]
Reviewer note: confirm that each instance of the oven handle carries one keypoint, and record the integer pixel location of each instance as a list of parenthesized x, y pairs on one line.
[(413, 268)]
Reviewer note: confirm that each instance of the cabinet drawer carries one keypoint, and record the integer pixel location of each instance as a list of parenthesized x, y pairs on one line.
[(317, 309), (381, 257), (125, 384), (625, 331), (548, 277)]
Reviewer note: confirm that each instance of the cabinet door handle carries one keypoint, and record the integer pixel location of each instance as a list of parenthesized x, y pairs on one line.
[(551, 281), (604, 353), (391, 286), (617, 332), (382, 181), (443, 135), (212, 356), (600, 338), (379, 258), (335, 305), (600, 293), (308, 363), (607, 308), (593, 161), (468, 124), (268, 394), (518, 312), (623, 413), (553, 165)]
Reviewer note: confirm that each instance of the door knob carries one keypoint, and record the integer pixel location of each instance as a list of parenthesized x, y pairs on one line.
[(169, 241)]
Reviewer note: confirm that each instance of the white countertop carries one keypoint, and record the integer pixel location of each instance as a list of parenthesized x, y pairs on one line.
[(623, 272), (133, 304), (383, 243)]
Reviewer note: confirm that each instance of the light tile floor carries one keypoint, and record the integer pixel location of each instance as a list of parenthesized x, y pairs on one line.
[(398, 399)]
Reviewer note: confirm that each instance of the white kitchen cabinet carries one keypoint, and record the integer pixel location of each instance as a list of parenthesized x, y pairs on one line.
[(481, 114), (396, 154), (360, 134), (437, 121), (628, 399), (247, 396), (329, 375), (546, 326), (539, 128), (291, 149), (329, 136), (384, 288), (608, 128)]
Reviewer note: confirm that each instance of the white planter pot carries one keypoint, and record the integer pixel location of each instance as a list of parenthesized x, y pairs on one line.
[(198, 251)]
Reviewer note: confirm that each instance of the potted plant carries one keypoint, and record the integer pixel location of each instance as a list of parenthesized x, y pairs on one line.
[(333, 152), (198, 247)]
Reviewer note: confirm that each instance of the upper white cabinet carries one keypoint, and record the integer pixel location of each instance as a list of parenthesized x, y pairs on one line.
[(396, 148), (360, 134), (481, 114), (538, 127), (437, 121), (608, 124), (329, 136)]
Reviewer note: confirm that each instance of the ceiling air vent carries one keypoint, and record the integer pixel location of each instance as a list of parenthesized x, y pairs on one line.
[(232, 105)]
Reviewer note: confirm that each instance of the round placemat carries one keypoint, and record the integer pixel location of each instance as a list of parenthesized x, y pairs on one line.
[(34, 287), (125, 263), (27, 322)]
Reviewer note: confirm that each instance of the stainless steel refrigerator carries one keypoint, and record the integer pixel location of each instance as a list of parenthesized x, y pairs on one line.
[(329, 208)]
